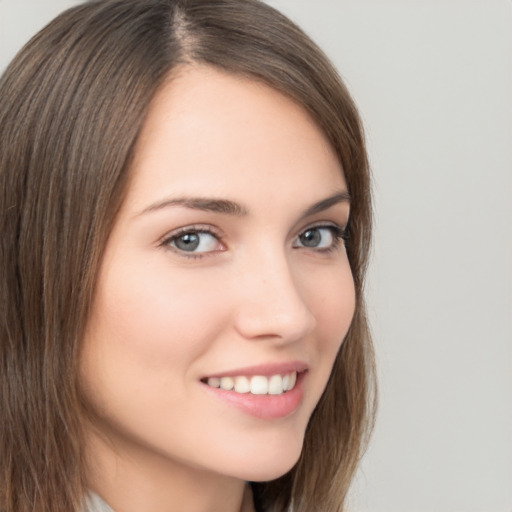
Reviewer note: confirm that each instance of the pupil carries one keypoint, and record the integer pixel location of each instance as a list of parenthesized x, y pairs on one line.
[(188, 242), (310, 238)]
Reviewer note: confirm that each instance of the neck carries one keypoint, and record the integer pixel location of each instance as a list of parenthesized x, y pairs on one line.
[(130, 479)]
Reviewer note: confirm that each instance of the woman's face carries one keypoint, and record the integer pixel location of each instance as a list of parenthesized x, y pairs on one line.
[(226, 267)]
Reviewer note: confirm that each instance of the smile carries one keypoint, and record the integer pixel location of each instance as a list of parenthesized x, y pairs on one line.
[(256, 384)]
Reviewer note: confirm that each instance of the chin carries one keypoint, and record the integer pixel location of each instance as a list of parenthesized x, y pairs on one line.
[(269, 464), (270, 473)]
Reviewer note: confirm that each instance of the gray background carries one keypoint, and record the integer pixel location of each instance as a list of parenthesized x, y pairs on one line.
[(433, 81)]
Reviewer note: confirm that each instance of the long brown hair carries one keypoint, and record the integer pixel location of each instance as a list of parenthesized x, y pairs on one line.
[(72, 103)]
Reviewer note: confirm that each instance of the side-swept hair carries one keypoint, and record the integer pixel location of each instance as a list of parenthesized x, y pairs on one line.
[(72, 104)]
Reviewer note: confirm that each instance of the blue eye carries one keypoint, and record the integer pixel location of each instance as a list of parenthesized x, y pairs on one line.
[(194, 241), (320, 237)]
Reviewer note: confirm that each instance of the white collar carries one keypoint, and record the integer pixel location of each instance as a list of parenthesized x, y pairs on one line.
[(93, 503)]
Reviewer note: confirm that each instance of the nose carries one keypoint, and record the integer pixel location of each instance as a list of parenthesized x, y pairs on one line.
[(271, 302)]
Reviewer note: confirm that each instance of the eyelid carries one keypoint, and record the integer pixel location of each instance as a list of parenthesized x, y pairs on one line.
[(341, 229), (165, 241), (338, 232)]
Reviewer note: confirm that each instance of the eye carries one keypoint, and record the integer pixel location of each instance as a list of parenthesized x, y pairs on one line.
[(194, 241), (320, 237)]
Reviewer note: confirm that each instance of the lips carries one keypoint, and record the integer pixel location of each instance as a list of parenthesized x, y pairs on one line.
[(266, 391)]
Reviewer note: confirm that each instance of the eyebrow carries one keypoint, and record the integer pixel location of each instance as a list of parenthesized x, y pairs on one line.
[(340, 197), (201, 203), (227, 207)]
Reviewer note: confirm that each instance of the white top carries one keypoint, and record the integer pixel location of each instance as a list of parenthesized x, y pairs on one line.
[(93, 503)]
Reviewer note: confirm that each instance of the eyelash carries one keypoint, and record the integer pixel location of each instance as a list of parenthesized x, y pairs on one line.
[(340, 236), (190, 230)]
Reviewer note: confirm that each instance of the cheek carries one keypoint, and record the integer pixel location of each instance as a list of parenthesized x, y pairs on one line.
[(145, 333), (155, 314), (333, 305)]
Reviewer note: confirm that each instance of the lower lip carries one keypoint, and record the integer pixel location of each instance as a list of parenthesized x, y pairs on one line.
[(265, 407)]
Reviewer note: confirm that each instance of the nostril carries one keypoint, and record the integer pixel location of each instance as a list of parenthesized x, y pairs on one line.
[(271, 305), (271, 324)]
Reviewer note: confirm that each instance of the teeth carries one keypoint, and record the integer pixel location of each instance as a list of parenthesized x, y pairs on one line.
[(257, 385), (293, 379), (227, 383), (275, 385), (242, 385), (214, 382), (286, 382)]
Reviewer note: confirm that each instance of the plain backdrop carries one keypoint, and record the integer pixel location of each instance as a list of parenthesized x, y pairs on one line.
[(433, 81)]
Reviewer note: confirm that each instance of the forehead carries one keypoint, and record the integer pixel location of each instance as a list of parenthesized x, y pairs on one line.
[(206, 129)]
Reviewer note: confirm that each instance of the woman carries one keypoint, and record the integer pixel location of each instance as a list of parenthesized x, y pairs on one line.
[(185, 218)]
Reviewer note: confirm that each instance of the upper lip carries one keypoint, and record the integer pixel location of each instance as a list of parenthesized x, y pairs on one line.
[(265, 370)]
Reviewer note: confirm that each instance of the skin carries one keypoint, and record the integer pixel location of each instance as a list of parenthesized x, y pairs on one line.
[(251, 294)]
